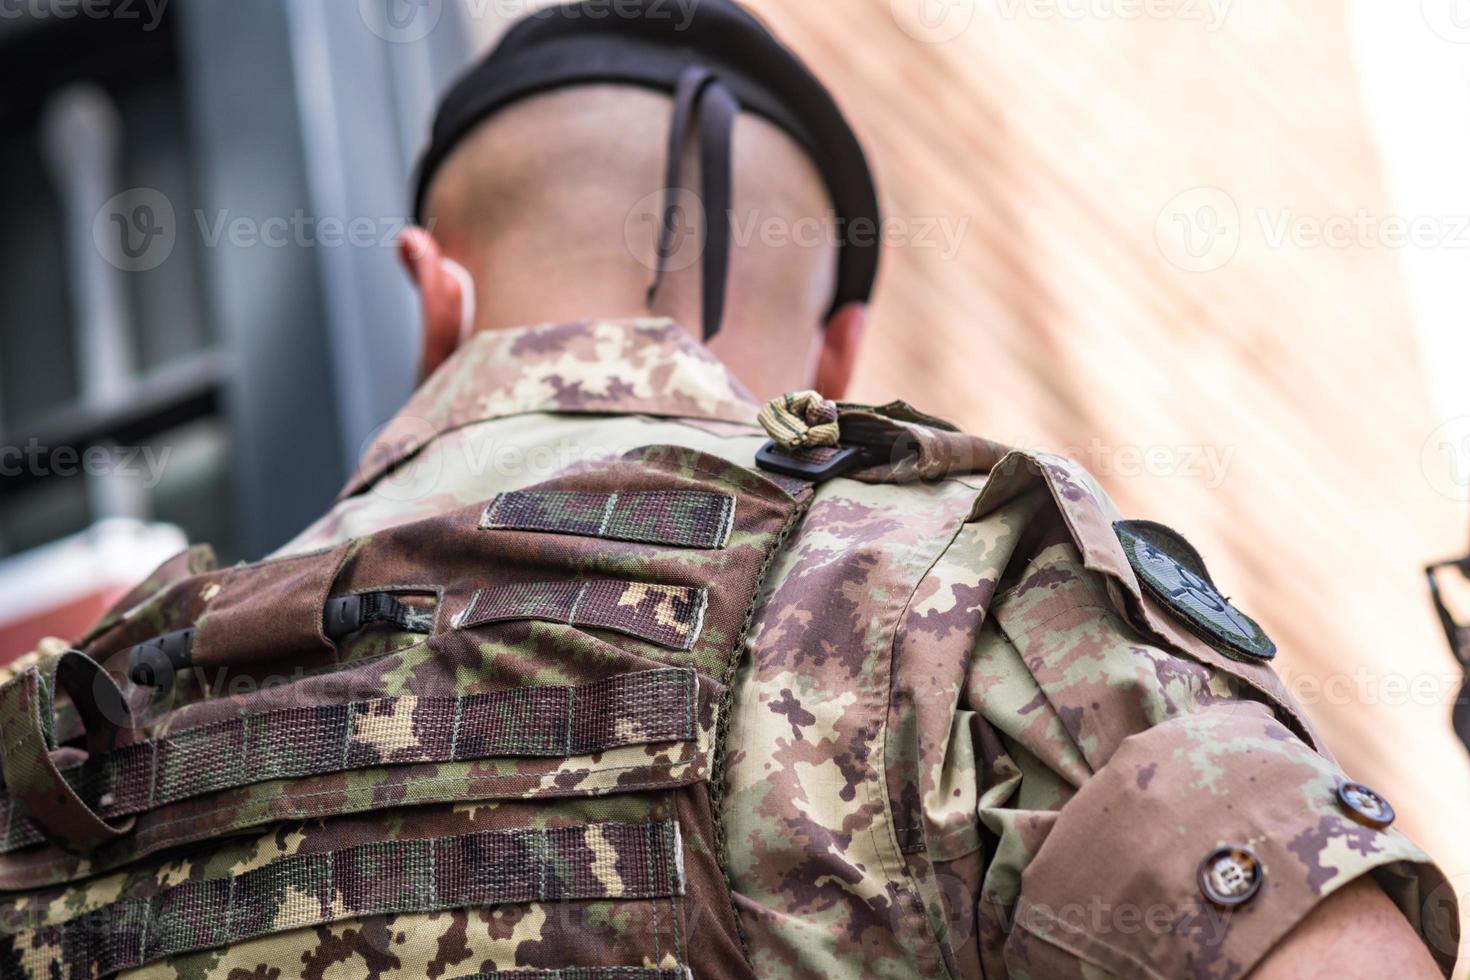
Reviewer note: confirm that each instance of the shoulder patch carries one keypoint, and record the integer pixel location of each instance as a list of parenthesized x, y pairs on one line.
[(1175, 574)]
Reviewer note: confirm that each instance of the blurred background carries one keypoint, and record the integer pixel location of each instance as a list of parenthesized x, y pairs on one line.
[(1217, 250)]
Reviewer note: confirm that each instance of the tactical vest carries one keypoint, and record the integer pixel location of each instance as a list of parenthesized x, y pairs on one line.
[(511, 714), (493, 740)]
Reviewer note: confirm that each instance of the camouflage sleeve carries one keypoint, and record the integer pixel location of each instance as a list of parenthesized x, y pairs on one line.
[(1151, 808)]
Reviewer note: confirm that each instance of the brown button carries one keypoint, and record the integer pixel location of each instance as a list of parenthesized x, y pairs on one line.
[(1365, 805), (1231, 876)]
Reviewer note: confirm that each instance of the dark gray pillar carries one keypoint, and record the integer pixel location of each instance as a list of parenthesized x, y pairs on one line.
[(266, 302)]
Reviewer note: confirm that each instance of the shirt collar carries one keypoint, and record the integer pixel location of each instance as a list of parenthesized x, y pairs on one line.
[(596, 367)]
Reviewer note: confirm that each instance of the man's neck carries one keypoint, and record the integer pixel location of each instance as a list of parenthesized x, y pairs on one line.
[(524, 281), (517, 287)]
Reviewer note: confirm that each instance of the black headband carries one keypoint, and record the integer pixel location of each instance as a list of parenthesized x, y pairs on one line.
[(715, 59)]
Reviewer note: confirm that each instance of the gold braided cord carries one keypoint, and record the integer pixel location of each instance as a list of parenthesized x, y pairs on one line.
[(800, 420)]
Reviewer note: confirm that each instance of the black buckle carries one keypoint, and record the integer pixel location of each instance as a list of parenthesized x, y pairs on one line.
[(347, 614), (152, 664), (845, 460), (1456, 635), (1453, 630), (343, 616)]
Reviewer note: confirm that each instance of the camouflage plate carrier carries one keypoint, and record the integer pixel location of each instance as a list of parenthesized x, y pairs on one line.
[(500, 739)]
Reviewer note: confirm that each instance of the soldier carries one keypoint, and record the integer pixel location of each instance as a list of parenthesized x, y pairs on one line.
[(616, 662)]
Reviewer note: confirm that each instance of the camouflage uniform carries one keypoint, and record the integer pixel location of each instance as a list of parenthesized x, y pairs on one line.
[(944, 717)]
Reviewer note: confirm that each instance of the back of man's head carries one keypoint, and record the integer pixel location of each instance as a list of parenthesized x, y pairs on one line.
[(553, 190)]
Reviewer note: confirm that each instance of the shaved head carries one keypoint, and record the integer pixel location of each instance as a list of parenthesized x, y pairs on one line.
[(553, 205)]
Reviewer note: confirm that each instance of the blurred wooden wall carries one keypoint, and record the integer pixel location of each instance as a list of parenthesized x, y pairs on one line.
[(1074, 316)]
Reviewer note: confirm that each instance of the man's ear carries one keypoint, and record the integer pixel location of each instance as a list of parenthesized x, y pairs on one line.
[(446, 297), (838, 353)]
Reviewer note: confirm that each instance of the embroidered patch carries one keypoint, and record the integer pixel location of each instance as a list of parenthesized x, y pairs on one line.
[(1175, 574), (678, 518)]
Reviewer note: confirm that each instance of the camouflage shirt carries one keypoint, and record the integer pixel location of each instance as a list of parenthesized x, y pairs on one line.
[(976, 725), (964, 739)]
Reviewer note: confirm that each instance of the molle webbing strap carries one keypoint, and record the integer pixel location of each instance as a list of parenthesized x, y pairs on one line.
[(667, 615), (641, 708), (676, 518), (27, 737), (590, 862)]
